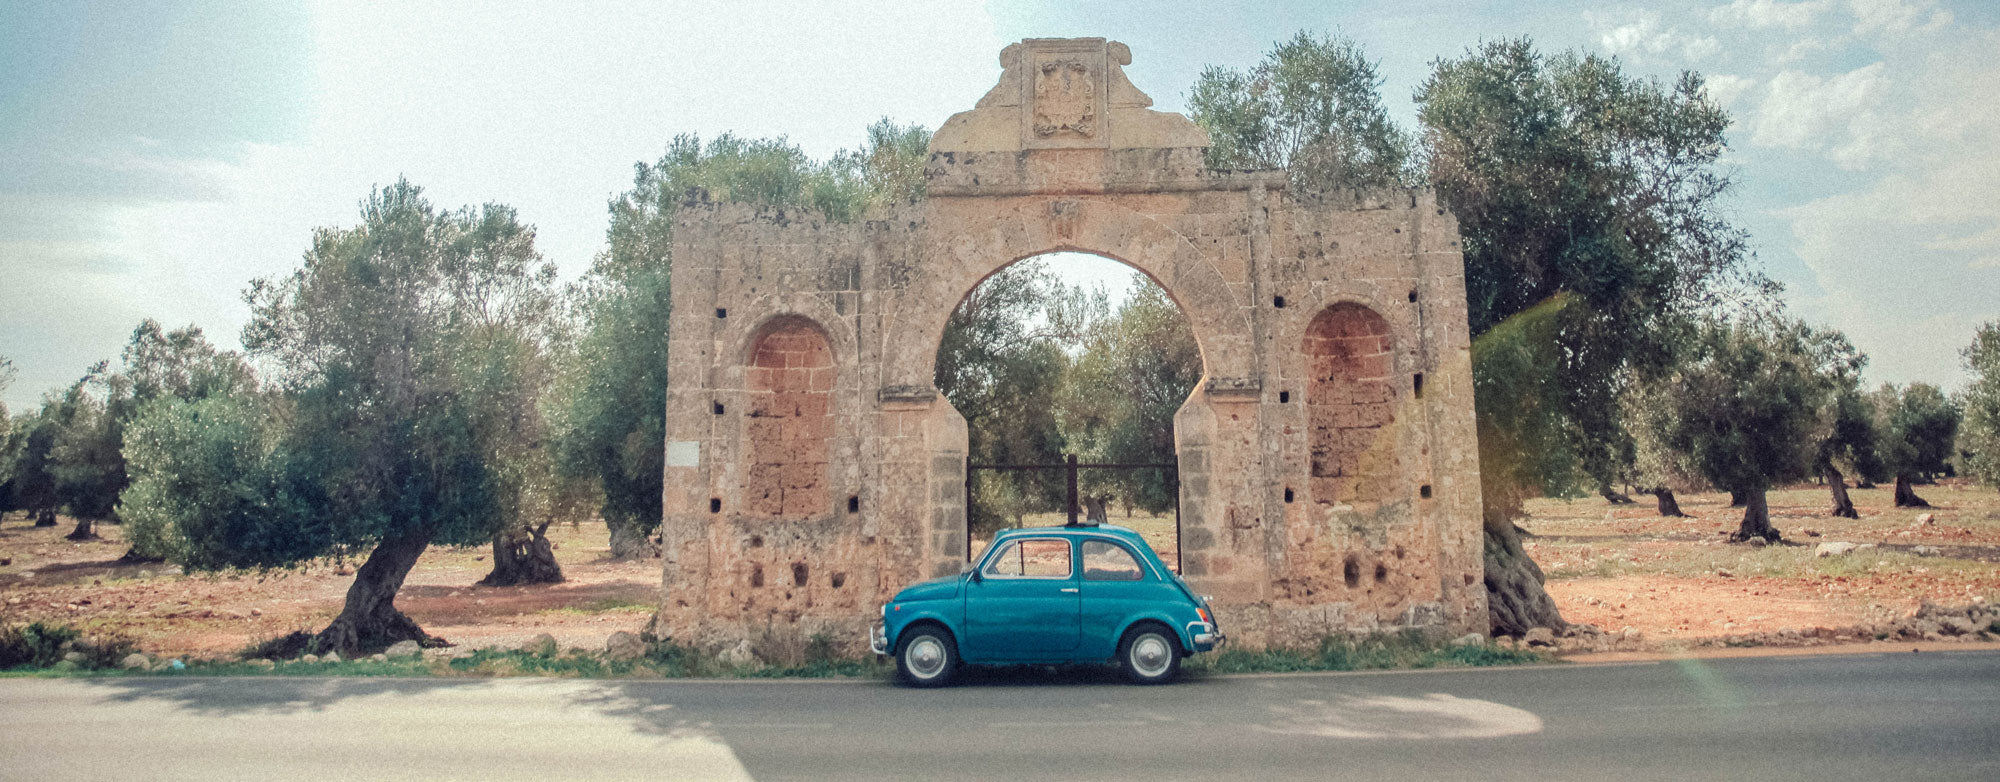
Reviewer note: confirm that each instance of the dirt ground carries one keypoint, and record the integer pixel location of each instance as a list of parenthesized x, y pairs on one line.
[(1679, 582), (1676, 581), (83, 585)]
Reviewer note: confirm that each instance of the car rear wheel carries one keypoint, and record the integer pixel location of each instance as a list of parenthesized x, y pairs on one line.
[(926, 657), (1150, 654)]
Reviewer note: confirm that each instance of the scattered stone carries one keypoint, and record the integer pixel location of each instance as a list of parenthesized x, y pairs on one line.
[(1757, 542), (1630, 633), (135, 662), (309, 658), (544, 645), (1724, 572), (262, 663), (1833, 549), (330, 657), (1927, 551), (1957, 625), (404, 648), (1540, 636), (624, 646), (256, 612), (1470, 639), (742, 655), (1926, 519), (1812, 533)]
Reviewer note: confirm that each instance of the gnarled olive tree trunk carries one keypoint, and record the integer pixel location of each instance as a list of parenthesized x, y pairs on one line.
[(86, 529), (1836, 485), (1905, 497), (630, 541), (1756, 519), (1612, 496), (522, 555), (45, 517), (1668, 505), (370, 620), (1738, 498), (1516, 601)]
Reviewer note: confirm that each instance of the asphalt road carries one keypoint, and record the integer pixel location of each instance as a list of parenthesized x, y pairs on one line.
[(1879, 717)]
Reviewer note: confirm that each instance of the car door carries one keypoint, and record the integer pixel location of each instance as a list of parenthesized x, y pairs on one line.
[(1025, 603), (1116, 587)]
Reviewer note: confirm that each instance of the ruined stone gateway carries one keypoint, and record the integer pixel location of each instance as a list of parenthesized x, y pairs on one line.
[(1329, 475)]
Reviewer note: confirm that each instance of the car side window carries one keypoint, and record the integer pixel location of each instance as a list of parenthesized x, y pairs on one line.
[(1106, 561), (1031, 558)]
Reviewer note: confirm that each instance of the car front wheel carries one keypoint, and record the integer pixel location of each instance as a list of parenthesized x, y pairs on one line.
[(926, 657), (1150, 655)]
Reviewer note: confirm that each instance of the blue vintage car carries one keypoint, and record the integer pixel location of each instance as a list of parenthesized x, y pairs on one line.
[(1050, 595)]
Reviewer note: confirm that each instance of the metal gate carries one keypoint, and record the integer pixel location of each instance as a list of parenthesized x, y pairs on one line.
[(1070, 467)]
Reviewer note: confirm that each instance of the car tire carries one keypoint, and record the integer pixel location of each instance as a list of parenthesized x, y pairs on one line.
[(926, 656), (1150, 654)]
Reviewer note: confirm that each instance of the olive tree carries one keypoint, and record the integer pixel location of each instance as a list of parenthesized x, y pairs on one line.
[(1741, 409), (1917, 425), (1979, 436), (400, 344)]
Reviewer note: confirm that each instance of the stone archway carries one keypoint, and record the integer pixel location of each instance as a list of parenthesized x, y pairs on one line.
[(1085, 168)]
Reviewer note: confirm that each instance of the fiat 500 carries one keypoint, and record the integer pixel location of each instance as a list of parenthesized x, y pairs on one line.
[(1051, 595)]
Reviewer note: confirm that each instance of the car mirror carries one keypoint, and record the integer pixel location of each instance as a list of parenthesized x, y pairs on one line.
[(969, 570)]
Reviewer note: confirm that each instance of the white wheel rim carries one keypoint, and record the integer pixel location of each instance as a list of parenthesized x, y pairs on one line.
[(925, 657), (1151, 655)]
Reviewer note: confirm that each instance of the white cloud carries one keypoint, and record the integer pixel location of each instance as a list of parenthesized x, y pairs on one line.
[(1643, 37), (1897, 16), (1838, 115), (1757, 14), (1726, 88)]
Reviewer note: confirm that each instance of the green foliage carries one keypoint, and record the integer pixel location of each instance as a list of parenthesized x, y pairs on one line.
[(1918, 425), (1979, 438), (39, 645), (1000, 363), (1742, 407), (1570, 178), (407, 347), (1366, 653), (1122, 390), (1312, 107), (610, 404), (211, 489)]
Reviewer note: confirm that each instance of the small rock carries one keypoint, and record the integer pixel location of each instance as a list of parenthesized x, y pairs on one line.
[(405, 648), (1630, 633), (1926, 519), (1470, 639), (1505, 642), (1957, 625), (309, 658), (1812, 533), (741, 654), (135, 662), (544, 645), (256, 612), (1757, 542), (1540, 636), (1833, 549), (262, 663), (330, 657), (1927, 551), (1724, 572), (624, 646)]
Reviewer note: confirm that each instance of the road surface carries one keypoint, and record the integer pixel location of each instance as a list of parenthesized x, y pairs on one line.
[(1891, 716)]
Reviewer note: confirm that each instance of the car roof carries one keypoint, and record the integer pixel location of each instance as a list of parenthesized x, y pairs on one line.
[(1102, 530)]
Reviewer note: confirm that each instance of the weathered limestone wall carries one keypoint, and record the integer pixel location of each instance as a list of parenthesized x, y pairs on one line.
[(1324, 487)]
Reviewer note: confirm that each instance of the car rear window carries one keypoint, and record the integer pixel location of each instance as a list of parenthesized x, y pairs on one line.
[(1106, 561)]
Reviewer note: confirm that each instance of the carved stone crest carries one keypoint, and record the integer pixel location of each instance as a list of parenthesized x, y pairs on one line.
[(1065, 99)]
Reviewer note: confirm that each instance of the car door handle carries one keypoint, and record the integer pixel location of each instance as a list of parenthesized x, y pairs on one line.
[(1069, 589)]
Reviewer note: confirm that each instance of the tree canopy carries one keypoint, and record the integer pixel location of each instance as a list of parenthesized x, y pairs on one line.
[(1979, 438)]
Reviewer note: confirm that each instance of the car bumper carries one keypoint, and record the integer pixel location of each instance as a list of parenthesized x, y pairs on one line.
[(878, 639), (1205, 636)]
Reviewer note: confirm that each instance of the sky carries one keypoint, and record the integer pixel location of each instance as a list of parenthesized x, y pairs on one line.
[(159, 155)]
